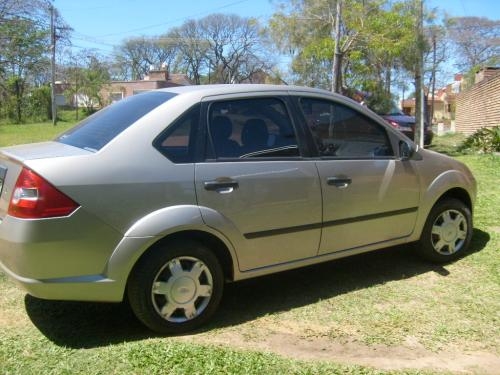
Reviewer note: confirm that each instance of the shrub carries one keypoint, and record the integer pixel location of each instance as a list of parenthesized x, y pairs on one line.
[(485, 140), (39, 104)]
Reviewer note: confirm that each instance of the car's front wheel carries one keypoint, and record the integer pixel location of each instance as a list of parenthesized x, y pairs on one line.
[(447, 232), (176, 287)]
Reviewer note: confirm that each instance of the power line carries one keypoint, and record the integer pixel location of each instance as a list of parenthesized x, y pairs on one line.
[(147, 27)]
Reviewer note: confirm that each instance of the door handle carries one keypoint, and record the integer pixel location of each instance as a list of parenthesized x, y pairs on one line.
[(340, 182), (218, 185)]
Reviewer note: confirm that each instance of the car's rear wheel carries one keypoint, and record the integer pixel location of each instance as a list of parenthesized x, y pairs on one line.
[(176, 287), (447, 232)]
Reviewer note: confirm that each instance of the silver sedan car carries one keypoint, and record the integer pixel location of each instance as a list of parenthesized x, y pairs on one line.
[(161, 198)]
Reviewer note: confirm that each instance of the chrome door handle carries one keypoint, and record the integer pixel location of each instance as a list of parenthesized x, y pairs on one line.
[(226, 185), (340, 182)]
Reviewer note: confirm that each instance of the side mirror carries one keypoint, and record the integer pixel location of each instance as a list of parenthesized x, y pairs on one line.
[(405, 150)]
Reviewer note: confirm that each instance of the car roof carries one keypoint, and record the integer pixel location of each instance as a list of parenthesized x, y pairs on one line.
[(218, 89), (198, 92)]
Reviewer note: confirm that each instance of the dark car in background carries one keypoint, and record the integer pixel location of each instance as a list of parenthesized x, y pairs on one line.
[(406, 124)]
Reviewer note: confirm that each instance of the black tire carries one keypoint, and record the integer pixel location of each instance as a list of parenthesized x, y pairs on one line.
[(188, 281), (447, 232)]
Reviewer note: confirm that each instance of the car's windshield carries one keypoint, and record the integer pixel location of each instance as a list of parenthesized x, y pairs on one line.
[(96, 131)]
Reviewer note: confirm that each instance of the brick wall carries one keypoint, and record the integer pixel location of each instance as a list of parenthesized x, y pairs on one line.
[(479, 107)]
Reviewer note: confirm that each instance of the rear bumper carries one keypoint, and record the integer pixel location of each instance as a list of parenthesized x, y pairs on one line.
[(62, 258), (86, 288)]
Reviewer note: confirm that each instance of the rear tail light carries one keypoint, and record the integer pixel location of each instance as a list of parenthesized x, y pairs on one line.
[(394, 124), (35, 198)]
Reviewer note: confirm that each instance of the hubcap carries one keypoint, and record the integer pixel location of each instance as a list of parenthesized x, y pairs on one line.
[(182, 289), (449, 232)]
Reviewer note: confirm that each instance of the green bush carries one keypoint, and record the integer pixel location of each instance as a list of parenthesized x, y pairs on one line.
[(39, 105), (485, 140)]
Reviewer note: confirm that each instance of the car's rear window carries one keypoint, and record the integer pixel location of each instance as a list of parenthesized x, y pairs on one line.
[(96, 131)]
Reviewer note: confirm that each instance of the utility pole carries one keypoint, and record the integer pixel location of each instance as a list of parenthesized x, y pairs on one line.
[(336, 69), (53, 65), (431, 115), (419, 72)]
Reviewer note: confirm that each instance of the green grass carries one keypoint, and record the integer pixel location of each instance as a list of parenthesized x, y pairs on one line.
[(388, 299), (13, 134), (448, 143), (152, 356), (456, 304)]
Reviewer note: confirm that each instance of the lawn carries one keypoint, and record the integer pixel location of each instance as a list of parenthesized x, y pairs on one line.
[(383, 312), (12, 134)]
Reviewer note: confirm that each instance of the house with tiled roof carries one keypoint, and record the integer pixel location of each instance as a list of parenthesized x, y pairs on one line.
[(156, 79), (444, 102)]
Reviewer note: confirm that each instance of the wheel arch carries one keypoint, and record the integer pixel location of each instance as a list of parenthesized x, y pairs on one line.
[(456, 193), (215, 244)]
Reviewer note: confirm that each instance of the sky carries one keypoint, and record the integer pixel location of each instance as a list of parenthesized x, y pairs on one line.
[(102, 24)]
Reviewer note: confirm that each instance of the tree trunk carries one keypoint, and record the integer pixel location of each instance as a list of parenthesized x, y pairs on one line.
[(19, 95)]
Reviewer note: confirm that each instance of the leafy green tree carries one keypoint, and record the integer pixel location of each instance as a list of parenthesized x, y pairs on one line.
[(22, 54), (373, 36), (85, 75), (94, 77), (39, 105)]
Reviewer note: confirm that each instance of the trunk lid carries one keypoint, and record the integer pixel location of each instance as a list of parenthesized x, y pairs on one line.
[(13, 158)]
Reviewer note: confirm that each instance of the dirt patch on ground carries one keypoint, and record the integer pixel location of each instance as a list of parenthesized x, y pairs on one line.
[(311, 343)]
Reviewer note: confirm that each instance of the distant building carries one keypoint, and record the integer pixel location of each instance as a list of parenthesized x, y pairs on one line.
[(444, 102), (157, 79), (117, 90)]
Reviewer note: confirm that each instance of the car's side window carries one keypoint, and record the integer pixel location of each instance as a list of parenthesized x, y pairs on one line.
[(177, 142), (341, 131), (251, 128)]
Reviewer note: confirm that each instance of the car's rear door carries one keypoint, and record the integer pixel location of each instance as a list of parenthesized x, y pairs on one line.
[(255, 187)]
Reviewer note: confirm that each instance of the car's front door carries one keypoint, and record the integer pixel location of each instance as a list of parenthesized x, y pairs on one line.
[(369, 196), (254, 186)]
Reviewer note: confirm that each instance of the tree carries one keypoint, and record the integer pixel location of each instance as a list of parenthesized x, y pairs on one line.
[(22, 56), (235, 48), (381, 52), (436, 55), (373, 34), (192, 50), (476, 41), (24, 47), (137, 56), (221, 48), (93, 77)]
